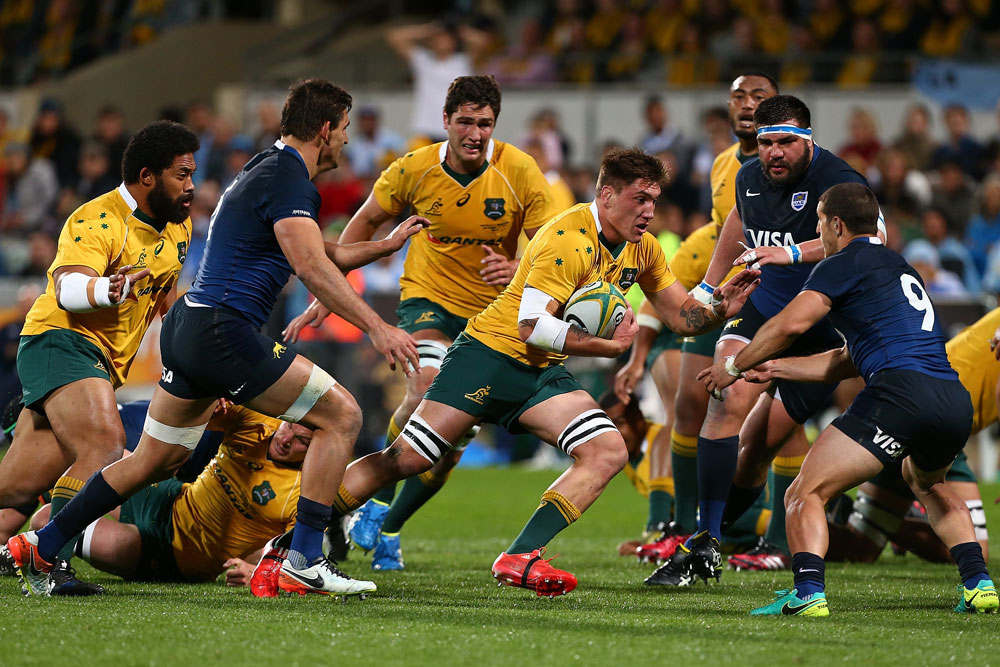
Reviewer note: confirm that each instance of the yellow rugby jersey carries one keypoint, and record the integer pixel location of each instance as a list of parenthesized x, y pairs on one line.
[(638, 473), (566, 254), (690, 263), (241, 499), (466, 212), (970, 355), (105, 234)]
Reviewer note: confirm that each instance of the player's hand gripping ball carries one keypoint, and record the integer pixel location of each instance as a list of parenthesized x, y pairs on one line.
[(597, 308)]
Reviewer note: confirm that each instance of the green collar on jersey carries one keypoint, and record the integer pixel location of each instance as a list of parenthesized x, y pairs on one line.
[(615, 250), (158, 225), (464, 179)]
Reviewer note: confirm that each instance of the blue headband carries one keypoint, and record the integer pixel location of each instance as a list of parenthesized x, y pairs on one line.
[(785, 129)]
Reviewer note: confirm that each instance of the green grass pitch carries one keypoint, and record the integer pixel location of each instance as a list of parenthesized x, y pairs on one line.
[(446, 609)]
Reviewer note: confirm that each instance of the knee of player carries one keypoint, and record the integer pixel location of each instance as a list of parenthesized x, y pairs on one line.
[(404, 460), (341, 415), (606, 453), (40, 518)]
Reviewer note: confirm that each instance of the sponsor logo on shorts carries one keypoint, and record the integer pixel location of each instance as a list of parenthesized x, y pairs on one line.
[(494, 208), (279, 350), (263, 493), (426, 316), (888, 443), (733, 323), (167, 376), (799, 200), (100, 366), (478, 395)]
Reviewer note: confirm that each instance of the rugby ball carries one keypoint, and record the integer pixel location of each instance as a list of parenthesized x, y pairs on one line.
[(597, 308)]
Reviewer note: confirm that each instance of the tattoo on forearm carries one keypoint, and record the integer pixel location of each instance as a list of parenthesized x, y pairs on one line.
[(580, 334), (695, 319)]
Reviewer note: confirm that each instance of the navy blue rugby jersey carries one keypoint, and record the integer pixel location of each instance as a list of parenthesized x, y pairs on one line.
[(882, 309), (775, 216), (243, 268)]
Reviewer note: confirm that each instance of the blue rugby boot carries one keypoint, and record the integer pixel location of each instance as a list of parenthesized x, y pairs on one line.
[(388, 555), (366, 525)]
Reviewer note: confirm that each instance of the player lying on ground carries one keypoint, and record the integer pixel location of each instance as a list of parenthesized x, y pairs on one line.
[(175, 531), (507, 368), (913, 408)]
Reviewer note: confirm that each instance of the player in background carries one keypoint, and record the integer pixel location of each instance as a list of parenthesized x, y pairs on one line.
[(263, 229), (479, 194), (690, 402), (913, 407), (115, 269), (506, 367), (881, 510)]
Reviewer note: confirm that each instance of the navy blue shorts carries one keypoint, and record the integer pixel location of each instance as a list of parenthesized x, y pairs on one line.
[(802, 400), (906, 413), (215, 352)]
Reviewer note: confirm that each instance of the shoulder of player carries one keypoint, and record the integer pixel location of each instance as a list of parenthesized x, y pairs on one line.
[(725, 159), (833, 169), (566, 227), (749, 174)]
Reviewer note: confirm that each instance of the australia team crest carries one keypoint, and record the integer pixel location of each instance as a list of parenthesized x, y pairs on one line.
[(628, 278), (494, 208), (799, 200)]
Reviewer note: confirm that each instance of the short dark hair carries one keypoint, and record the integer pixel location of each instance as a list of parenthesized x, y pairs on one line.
[(623, 166), (853, 203), (781, 109), (155, 146), (763, 75), (309, 104), (479, 91), (609, 399)]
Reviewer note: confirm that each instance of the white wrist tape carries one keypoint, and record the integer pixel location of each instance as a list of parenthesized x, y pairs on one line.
[(73, 289), (794, 253), (731, 367), (649, 321), (702, 293), (549, 332)]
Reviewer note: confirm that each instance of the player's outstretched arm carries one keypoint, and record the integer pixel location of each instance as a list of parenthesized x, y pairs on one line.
[(80, 290), (350, 256), (829, 366), (686, 315), (805, 310), (808, 251), (302, 243)]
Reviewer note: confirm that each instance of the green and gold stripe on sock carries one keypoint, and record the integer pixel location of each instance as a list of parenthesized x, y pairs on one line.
[(789, 466), (665, 484), (565, 506), (345, 503), (683, 445), (432, 480), (65, 489)]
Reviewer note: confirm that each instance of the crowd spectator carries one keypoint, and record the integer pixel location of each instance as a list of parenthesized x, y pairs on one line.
[(954, 194), (952, 253), (923, 257), (916, 141), (41, 253), (526, 63), (660, 135), (268, 125), (863, 144), (959, 147), (372, 147), (53, 139), (96, 175), (983, 230), (32, 187), (110, 131)]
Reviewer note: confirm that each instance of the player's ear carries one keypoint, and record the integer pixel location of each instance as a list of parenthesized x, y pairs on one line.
[(444, 119), (147, 177)]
